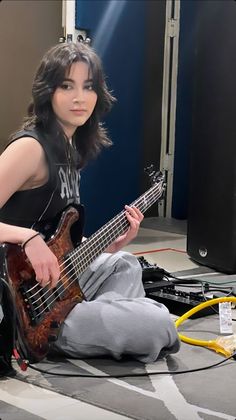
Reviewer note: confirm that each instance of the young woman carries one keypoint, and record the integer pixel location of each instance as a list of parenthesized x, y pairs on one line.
[(61, 133)]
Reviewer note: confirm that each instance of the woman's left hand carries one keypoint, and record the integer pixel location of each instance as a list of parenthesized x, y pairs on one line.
[(135, 217)]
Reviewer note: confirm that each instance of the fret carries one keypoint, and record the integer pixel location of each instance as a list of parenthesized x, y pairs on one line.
[(91, 248)]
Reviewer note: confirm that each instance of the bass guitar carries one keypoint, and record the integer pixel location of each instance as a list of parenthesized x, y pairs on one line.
[(40, 311)]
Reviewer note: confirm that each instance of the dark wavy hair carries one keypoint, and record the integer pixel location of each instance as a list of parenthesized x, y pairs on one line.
[(55, 65)]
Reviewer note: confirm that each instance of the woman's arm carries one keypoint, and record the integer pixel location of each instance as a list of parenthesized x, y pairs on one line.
[(23, 166)]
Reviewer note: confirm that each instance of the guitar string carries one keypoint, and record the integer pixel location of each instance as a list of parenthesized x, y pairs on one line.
[(48, 298), (71, 280), (124, 223), (97, 237), (71, 262), (109, 225), (67, 273)]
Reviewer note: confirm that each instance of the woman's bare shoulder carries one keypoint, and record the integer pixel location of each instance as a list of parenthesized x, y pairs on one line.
[(22, 161)]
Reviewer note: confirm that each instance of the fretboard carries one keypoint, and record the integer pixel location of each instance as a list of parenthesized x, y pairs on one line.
[(92, 247)]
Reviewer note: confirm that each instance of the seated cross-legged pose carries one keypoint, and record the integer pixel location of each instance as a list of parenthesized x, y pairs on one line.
[(61, 133)]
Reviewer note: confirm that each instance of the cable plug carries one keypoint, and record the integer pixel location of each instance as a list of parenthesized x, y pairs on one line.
[(226, 345), (21, 363)]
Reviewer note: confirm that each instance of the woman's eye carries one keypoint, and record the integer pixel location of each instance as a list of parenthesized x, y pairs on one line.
[(89, 87), (66, 86)]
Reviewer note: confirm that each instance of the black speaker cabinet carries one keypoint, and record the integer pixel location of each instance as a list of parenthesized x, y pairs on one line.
[(211, 235)]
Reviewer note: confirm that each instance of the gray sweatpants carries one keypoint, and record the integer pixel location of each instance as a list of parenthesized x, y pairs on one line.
[(117, 319)]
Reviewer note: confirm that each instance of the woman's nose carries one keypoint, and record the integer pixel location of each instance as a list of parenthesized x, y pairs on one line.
[(79, 96)]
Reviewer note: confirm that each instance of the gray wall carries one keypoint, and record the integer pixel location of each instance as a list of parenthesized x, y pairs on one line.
[(27, 29)]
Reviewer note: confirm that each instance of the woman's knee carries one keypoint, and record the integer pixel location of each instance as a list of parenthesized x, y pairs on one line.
[(130, 275), (129, 263), (161, 328)]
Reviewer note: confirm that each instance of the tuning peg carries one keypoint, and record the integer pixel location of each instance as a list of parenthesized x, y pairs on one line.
[(149, 169), (154, 175)]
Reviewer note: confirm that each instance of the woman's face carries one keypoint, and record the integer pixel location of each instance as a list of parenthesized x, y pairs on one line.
[(74, 101)]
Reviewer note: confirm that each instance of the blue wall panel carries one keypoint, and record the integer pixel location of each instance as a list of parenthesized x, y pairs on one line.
[(117, 30)]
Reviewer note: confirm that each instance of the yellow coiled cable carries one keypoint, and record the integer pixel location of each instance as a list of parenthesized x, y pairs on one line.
[(211, 344)]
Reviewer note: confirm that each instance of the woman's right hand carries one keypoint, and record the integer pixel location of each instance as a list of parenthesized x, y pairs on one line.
[(44, 262)]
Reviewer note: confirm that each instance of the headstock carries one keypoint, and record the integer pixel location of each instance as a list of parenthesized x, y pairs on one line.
[(154, 176)]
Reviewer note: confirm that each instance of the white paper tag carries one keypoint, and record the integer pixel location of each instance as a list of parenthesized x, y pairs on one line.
[(225, 313)]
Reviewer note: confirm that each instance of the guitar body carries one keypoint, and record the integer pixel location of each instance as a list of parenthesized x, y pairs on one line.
[(35, 330)]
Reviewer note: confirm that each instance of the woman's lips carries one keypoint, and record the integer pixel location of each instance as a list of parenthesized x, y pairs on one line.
[(78, 111)]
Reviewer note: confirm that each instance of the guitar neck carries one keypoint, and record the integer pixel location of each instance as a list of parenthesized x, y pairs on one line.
[(92, 247)]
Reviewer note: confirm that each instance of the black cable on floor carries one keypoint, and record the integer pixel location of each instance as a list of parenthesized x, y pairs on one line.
[(132, 375)]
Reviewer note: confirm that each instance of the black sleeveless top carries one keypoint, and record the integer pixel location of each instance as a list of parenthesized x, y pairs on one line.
[(36, 207)]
